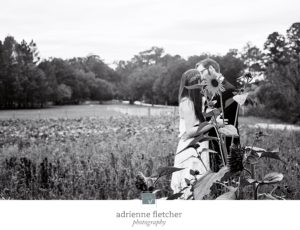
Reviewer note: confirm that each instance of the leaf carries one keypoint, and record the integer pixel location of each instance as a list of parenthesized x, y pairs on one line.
[(187, 181), (251, 181), (175, 196), (188, 159), (264, 153), (272, 178), (255, 149), (245, 182), (229, 175), (252, 158), (254, 154), (203, 128), (190, 197), (183, 189), (228, 195), (202, 186), (156, 191), (211, 103), (241, 99), (272, 154), (208, 150), (214, 112), (162, 171), (193, 143), (266, 196), (202, 125), (229, 130), (192, 172), (228, 102)]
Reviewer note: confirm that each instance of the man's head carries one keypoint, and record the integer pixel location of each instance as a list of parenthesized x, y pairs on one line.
[(205, 64), (203, 67)]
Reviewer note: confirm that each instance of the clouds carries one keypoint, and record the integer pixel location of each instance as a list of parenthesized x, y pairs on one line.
[(118, 29)]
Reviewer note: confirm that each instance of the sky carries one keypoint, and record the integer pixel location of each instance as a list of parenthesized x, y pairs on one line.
[(119, 29)]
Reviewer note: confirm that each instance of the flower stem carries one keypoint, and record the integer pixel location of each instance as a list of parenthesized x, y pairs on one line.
[(254, 185), (256, 191), (223, 154), (235, 120), (222, 107)]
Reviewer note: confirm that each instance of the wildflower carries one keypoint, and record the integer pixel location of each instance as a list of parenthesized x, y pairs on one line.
[(248, 76), (144, 183), (140, 183)]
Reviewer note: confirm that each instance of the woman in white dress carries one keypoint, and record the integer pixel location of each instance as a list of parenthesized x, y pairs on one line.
[(191, 115)]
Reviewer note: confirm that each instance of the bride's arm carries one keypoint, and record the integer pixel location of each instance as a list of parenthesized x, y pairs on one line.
[(187, 115), (181, 118)]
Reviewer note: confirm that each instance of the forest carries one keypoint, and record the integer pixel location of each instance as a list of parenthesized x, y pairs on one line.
[(151, 76)]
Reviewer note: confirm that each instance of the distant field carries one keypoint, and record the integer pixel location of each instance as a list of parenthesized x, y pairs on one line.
[(92, 110), (106, 111)]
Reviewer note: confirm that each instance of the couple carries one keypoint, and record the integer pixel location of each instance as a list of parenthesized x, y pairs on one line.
[(192, 106)]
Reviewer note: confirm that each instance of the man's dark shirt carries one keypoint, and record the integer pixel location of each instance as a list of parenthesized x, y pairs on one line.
[(230, 107)]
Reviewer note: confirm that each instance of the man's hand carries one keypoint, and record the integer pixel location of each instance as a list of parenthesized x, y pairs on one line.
[(220, 122)]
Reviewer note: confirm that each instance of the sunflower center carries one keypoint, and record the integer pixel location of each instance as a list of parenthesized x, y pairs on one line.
[(214, 83)]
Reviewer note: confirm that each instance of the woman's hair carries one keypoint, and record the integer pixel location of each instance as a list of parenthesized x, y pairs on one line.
[(192, 77)]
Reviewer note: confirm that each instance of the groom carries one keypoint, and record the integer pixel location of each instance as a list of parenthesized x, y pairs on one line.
[(230, 107)]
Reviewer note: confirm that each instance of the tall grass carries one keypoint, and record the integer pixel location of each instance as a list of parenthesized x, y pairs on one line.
[(100, 158)]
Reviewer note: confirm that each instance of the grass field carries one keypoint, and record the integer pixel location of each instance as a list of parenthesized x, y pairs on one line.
[(98, 157), (89, 110)]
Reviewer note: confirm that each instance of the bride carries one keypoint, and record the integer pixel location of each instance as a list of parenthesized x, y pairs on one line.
[(191, 115)]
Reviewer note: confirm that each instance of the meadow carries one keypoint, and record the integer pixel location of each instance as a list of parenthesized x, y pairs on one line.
[(96, 151)]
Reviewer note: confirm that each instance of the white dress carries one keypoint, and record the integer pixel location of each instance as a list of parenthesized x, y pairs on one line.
[(183, 160)]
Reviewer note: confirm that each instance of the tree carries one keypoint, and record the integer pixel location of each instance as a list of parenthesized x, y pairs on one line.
[(293, 35), (9, 71), (171, 81), (141, 80), (148, 57), (283, 72), (63, 93), (276, 47), (101, 90), (93, 63)]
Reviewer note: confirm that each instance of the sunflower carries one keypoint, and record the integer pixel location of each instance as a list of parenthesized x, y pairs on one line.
[(214, 84)]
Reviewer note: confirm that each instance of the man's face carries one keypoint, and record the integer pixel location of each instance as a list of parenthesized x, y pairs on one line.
[(203, 71)]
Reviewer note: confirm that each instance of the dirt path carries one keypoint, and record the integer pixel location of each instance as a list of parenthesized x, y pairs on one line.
[(257, 122)]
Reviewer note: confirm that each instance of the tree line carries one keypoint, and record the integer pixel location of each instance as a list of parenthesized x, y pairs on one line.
[(152, 76), (26, 81), (279, 92)]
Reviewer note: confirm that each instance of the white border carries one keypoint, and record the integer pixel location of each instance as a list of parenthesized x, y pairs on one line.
[(243, 215)]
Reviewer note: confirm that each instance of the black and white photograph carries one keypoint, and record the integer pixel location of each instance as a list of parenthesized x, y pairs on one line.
[(138, 99)]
